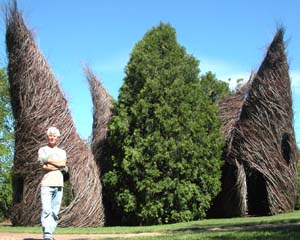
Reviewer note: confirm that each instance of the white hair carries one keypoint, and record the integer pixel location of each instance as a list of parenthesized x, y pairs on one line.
[(53, 130)]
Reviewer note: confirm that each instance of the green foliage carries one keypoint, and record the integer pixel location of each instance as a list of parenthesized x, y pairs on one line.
[(297, 204), (239, 83), (5, 189), (6, 119), (214, 88), (164, 139), (6, 146)]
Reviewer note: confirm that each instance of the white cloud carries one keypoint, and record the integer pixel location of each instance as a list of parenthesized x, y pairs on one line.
[(225, 71), (295, 82), (295, 85)]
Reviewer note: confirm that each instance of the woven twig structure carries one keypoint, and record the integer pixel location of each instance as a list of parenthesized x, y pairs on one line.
[(38, 103), (259, 174), (102, 113)]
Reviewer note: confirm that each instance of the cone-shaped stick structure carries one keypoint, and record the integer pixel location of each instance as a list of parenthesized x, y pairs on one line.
[(259, 175), (102, 113), (38, 103)]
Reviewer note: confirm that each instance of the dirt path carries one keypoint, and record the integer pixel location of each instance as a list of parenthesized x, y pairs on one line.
[(35, 236)]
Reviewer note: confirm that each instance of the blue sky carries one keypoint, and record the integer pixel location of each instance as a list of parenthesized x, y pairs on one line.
[(229, 38)]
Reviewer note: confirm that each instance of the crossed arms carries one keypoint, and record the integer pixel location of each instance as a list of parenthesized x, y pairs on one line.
[(49, 163), (54, 164)]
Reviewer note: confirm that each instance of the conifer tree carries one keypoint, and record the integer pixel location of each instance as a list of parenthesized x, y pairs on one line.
[(215, 89), (164, 138)]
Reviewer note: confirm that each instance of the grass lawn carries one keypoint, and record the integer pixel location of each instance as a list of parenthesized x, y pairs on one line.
[(281, 226)]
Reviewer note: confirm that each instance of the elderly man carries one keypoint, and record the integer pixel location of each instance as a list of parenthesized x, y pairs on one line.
[(52, 159)]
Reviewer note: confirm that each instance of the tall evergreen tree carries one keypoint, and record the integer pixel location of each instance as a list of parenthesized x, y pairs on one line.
[(6, 146), (215, 89), (165, 140)]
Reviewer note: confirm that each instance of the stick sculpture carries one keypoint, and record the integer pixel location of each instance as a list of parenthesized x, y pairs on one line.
[(38, 103), (102, 113), (259, 174)]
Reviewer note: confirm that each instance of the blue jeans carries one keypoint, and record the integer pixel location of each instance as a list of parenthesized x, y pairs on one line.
[(51, 199)]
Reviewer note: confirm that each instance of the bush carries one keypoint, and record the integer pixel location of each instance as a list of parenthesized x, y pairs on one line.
[(164, 139)]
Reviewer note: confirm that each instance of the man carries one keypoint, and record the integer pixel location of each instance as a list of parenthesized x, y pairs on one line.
[(53, 159)]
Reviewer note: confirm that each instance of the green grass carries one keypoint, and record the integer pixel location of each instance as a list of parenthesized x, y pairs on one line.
[(273, 227), (263, 234)]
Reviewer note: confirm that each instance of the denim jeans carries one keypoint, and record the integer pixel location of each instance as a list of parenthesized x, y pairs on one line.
[(51, 199)]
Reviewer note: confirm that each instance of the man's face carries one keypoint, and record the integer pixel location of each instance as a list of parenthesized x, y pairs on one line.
[(52, 139)]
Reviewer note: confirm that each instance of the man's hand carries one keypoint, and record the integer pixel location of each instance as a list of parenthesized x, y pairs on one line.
[(50, 167), (57, 162)]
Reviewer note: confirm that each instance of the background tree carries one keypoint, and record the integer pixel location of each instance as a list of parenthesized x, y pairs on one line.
[(215, 89), (297, 204), (164, 138), (6, 146)]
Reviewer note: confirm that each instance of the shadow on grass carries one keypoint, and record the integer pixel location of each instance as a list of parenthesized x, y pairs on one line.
[(245, 225), (274, 232), (286, 233)]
